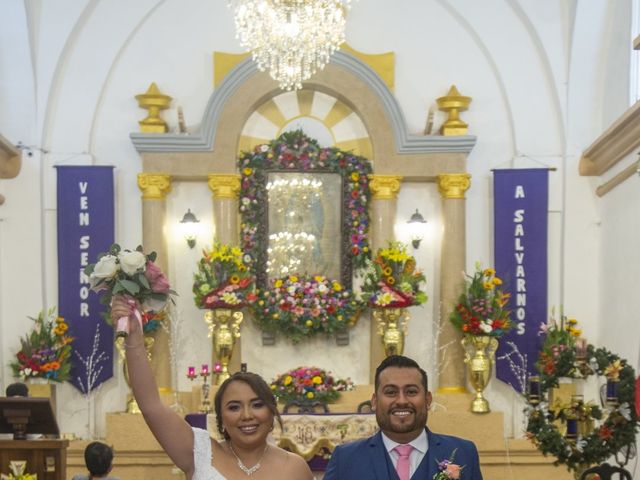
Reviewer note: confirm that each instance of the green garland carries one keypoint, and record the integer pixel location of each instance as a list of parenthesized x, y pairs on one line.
[(616, 431)]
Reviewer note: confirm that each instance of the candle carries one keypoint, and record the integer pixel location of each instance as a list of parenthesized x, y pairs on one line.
[(572, 429), (581, 348), (534, 390), (205, 369), (191, 372), (217, 367), (612, 391)]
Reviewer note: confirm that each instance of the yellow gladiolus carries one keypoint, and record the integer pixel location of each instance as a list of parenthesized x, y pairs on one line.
[(497, 281), (278, 283), (247, 171), (287, 380), (317, 380)]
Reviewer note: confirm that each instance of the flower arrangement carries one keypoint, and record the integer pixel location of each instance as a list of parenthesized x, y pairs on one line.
[(294, 151), (46, 351), (306, 384), (130, 273), (557, 356), (391, 279), (223, 279), (300, 307), (447, 470), (481, 306)]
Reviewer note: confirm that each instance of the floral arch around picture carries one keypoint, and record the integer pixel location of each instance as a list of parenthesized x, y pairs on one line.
[(581, 433), (45, 351)]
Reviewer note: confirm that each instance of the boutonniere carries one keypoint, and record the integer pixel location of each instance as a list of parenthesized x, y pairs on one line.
[(448, 470)]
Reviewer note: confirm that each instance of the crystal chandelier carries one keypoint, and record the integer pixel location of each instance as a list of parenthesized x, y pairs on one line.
[(292, 39)]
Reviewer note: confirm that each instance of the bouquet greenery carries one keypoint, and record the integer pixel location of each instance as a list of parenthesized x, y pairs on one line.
[(223, 279), (309, 384), (45, 352), (481, 306), (391, 279)]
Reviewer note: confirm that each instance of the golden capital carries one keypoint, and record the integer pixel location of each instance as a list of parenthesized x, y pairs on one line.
[(385, 187), (453, 185), (154, 186), (225, 185)]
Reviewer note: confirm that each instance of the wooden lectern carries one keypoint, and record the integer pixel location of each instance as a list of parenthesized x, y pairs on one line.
[(46, 457)]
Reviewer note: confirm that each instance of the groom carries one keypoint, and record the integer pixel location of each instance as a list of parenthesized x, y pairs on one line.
[(404, 448)]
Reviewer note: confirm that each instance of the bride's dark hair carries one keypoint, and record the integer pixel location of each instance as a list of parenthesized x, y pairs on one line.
[(258, 385)]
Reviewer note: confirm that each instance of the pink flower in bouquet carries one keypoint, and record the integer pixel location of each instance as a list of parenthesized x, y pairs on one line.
[(157, 279)]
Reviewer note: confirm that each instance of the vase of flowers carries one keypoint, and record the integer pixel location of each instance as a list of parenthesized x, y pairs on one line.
[(223, 285), (223, 279), (45, 352), (309, 384), (480, 314), (391, 283)]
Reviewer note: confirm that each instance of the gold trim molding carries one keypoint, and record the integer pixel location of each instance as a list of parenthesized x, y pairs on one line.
[(613, 145), (453, 185), (154, 186), (385, 187), (224, 185)]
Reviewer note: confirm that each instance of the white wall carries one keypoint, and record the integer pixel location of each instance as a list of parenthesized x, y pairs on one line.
[(541, 88)]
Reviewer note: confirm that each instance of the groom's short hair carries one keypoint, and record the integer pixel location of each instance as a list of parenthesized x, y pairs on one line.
[(400, 361)]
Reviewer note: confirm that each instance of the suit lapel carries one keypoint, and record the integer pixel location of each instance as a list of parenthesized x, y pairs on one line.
[(429, 465), (379, 458)]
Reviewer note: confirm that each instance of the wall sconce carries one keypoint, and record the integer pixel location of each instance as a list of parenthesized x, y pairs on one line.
[(189, 227), (417, 228)]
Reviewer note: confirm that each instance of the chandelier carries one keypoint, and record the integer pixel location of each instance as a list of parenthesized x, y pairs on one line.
[(292, 39)]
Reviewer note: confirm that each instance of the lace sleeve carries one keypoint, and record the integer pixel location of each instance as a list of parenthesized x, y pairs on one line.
[(201, 453)]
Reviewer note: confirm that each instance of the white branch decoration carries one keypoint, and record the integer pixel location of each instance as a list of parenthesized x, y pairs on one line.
[(518, 366)]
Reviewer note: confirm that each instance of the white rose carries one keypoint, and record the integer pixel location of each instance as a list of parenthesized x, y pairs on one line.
[(132, 262), (105, 268), (486, 328)]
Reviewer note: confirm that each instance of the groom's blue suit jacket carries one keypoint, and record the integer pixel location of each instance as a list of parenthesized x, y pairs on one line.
[(368, 459)]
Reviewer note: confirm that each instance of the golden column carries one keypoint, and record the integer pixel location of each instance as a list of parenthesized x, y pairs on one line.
[(155, 187), (452, 187), (226, 188), (385, 189)]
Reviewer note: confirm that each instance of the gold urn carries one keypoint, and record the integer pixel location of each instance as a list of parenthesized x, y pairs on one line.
[(479, 356), (391, 327), (224, 328)]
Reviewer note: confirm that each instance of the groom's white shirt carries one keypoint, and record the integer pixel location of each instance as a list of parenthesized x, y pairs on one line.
[(420, 446)]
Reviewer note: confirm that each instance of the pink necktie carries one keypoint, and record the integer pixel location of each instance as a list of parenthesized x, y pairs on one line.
[(403, 465)]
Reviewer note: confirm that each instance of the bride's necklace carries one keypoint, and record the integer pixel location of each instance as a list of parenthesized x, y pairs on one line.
[(248, 471)]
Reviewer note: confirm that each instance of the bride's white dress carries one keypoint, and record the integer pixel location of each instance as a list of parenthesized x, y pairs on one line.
[(203, 470)]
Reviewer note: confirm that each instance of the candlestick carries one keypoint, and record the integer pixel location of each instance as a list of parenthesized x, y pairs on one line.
[(534, 390), (191, 373), (204, 371), (217, 367)]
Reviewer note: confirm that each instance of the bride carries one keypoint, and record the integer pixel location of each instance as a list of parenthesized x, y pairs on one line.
[(245, 413)]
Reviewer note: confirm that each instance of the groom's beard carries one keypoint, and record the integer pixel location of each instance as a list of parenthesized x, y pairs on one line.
[(401, 419)]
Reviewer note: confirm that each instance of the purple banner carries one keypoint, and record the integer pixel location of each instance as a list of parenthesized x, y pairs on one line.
[(85, 229), (521, 199)]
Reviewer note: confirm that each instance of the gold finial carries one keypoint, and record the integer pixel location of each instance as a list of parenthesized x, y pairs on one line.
[(454, 103), (225, 185), (385, 187), (153, 101), (154, 186), (454, 185)]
